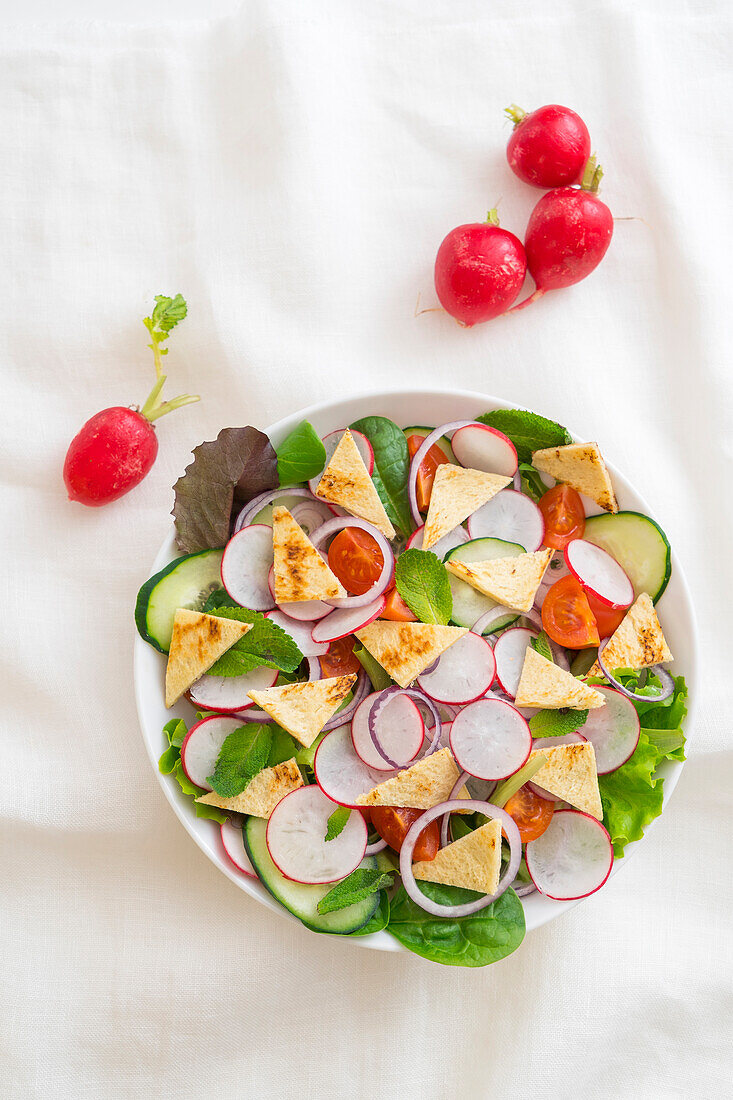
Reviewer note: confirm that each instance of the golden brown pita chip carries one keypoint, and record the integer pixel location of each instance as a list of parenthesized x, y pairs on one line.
[(544, 684), (299, 570), (581, 466), (510, 581), (404, 650), (425, 784), (346, 482), (456, 494), (638, 642), (473, 861), (570, 774), (197, 641), (304, 709), (262, 793)]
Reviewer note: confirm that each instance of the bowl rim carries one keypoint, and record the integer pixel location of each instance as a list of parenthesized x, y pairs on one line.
[(182, 807)]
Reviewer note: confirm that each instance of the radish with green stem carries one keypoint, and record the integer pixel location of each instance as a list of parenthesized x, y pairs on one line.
[(548, 147), (113, 451), (479, 271)]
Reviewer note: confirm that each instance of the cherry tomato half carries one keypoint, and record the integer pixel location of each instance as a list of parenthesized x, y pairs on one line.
[(356, 559), (531, 813), (607, 618), (340, 659), (426, 474), (564, 516), (396, 609), (567, 617), (392, 824)]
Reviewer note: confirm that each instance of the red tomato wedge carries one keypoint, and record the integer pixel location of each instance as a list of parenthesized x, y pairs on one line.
[(340, 659), (564, 516), (567, 617), (531, 813), (607, 618), (396, 609), (356, 559), (426, 474), (392, 824)]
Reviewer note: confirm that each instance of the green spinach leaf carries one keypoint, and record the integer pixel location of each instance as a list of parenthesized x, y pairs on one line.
[(391, 467)]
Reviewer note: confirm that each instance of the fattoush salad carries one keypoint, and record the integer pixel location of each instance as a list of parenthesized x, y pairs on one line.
[(426, 672)]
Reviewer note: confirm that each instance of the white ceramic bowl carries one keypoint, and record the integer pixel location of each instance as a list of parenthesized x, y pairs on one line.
[(405, 407)]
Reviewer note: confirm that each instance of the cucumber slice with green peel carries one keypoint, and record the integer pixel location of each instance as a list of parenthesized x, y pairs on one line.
[(185, 582), (468, 604), (265, 514), (300, 899), (443, 443), (638, 544)]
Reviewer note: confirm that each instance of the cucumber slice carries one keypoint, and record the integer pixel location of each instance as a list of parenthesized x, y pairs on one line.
[(287, 500), (424, 432), (638, 544), (299, 898), (468, 604), (185, 582)]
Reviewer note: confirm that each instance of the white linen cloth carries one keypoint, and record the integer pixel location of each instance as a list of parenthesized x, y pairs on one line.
[(292, 171)]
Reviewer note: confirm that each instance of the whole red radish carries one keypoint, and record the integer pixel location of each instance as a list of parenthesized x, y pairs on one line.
[(567, 236), (549, 147), (479, 271), (113, 451)]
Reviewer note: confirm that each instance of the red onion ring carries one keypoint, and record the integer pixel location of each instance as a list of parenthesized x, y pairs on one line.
[(377, 846), (446, 817), (253, 714), (661, 673), (258, 503), (341, 717), (418, 697), (314, 668), (338, 523), (517, 481), (310, 514), (524, 889), (419, 455), (408, 846)]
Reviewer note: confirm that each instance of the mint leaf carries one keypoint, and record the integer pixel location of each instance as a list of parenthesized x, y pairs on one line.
[(532, 483), (359, 885), (391, 467), (541, 645), (265, 644), (378, 676), (422, 582), (556, 723), (245, 752), (301, 456), (337, 823), (528, 431), (236, 466)]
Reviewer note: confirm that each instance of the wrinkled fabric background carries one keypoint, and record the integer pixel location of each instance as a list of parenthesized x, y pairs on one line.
[(291, 171)]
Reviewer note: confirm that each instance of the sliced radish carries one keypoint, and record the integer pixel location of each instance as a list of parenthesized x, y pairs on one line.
[(599, 573), (331, 442), (340, 773), (230, 693), (300, 632), (296, 832), (400, 730), (490, 739), (510, 516), (454, 538), (463, 673), (202, 745), (245, 567), (480, 447), (231, 838), (509, 652), (344, 621), (573, 857), (613, 730)]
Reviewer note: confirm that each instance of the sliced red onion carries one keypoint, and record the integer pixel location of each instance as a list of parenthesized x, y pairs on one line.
[(310, 514), (459, 783), (489, 617), (517, 481), (662, 673), (253, 714), (419, 455), (472, 806), (420, 698), (361, 690), (257, 503), (314, 668), (523, 889), (338, 523), (377, 846)]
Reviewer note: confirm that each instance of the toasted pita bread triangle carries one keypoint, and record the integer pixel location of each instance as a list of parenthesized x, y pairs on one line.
[(581, 466), (346, 482), (456, 494), (473, 861), (262, 793), (638, 642), (304, 709), (425, 784), (299, 570), (404, 650), (510, 581), (197, 641), (544, 684), (570, 774)]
